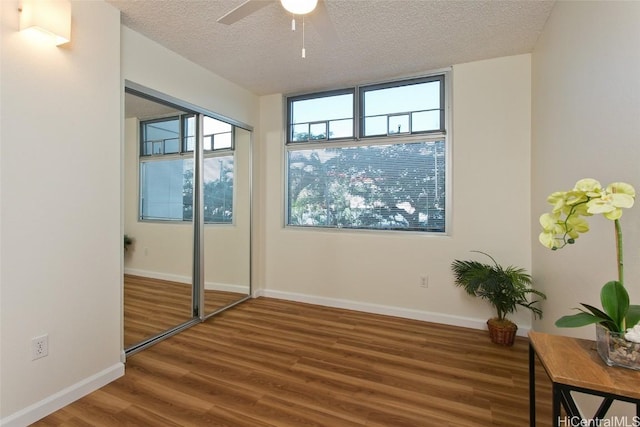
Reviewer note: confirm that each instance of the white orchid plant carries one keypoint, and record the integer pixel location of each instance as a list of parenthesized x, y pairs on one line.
[(564, 224)]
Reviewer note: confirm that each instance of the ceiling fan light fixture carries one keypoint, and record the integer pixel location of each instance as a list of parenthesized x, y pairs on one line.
[(299, 7)]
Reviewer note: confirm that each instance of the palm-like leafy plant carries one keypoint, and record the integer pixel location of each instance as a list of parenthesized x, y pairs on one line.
[(504, 288), (127, 242)]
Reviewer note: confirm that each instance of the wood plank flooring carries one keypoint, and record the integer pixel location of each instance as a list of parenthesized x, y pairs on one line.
[(270, 362), (152, 306)]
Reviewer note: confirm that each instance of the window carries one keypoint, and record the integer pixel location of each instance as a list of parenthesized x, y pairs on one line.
[(327, 116), (217, 135), (166, 169), (388, 174), (403, 108)]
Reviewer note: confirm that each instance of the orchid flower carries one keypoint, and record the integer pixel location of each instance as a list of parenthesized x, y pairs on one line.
[(564, 225)]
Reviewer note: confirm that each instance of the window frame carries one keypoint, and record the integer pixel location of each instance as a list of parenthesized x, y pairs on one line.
[(232, 134), (444, 133), (289, 117), (362, 90)]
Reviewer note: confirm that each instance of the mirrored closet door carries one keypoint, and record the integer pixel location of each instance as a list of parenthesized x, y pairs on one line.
[(187, 192), (227, 214)]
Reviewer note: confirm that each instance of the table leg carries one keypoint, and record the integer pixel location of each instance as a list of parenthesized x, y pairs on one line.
[(532, 387), (557, 395)]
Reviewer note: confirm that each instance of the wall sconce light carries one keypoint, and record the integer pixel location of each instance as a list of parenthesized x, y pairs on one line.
[(50, 17)]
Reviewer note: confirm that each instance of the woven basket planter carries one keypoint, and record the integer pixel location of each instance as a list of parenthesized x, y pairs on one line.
[(502, 332)]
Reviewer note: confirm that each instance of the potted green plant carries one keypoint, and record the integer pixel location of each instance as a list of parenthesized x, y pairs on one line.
[(618, 343), (127, 242), (505, 288)]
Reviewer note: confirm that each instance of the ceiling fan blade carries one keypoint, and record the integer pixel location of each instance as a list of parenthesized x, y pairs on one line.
[(321, 21), (242, 11)]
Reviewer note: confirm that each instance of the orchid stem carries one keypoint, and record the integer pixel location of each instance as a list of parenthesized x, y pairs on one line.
[(619, 251), (620, 263)]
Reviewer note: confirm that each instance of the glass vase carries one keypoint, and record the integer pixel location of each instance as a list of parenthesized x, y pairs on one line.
[(615, 350)]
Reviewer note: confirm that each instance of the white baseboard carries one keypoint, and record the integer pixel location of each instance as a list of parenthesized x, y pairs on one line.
[(407, 313), (41, 409), (226, 287), (160, 276), (426, 316), (210, 286)]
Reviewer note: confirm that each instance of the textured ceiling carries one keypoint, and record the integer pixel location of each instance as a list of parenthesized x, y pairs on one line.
[(374, 40)]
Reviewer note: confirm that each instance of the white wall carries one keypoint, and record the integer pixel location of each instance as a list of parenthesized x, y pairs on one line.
[(380, 271), (147, 63), (586, 111), (61, 245)]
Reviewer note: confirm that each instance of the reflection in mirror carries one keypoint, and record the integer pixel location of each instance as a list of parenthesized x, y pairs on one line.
[(191, 241), (227, 214), (158, 170)]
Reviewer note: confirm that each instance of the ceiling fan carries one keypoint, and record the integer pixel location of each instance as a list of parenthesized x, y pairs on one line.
[(314, 10)]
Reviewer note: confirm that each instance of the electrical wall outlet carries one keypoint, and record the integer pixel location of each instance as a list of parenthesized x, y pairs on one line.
[(39, 347)]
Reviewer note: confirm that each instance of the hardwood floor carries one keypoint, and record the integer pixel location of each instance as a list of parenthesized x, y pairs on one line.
[(152, 306), (270, 362)]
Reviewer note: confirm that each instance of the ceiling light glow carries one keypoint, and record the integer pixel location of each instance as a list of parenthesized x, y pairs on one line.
[(299, 7)]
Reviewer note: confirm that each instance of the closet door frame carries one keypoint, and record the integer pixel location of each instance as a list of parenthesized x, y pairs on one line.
[(198, 279)]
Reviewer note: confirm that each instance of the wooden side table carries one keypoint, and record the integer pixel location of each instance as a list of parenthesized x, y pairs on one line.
[(574, 365)]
